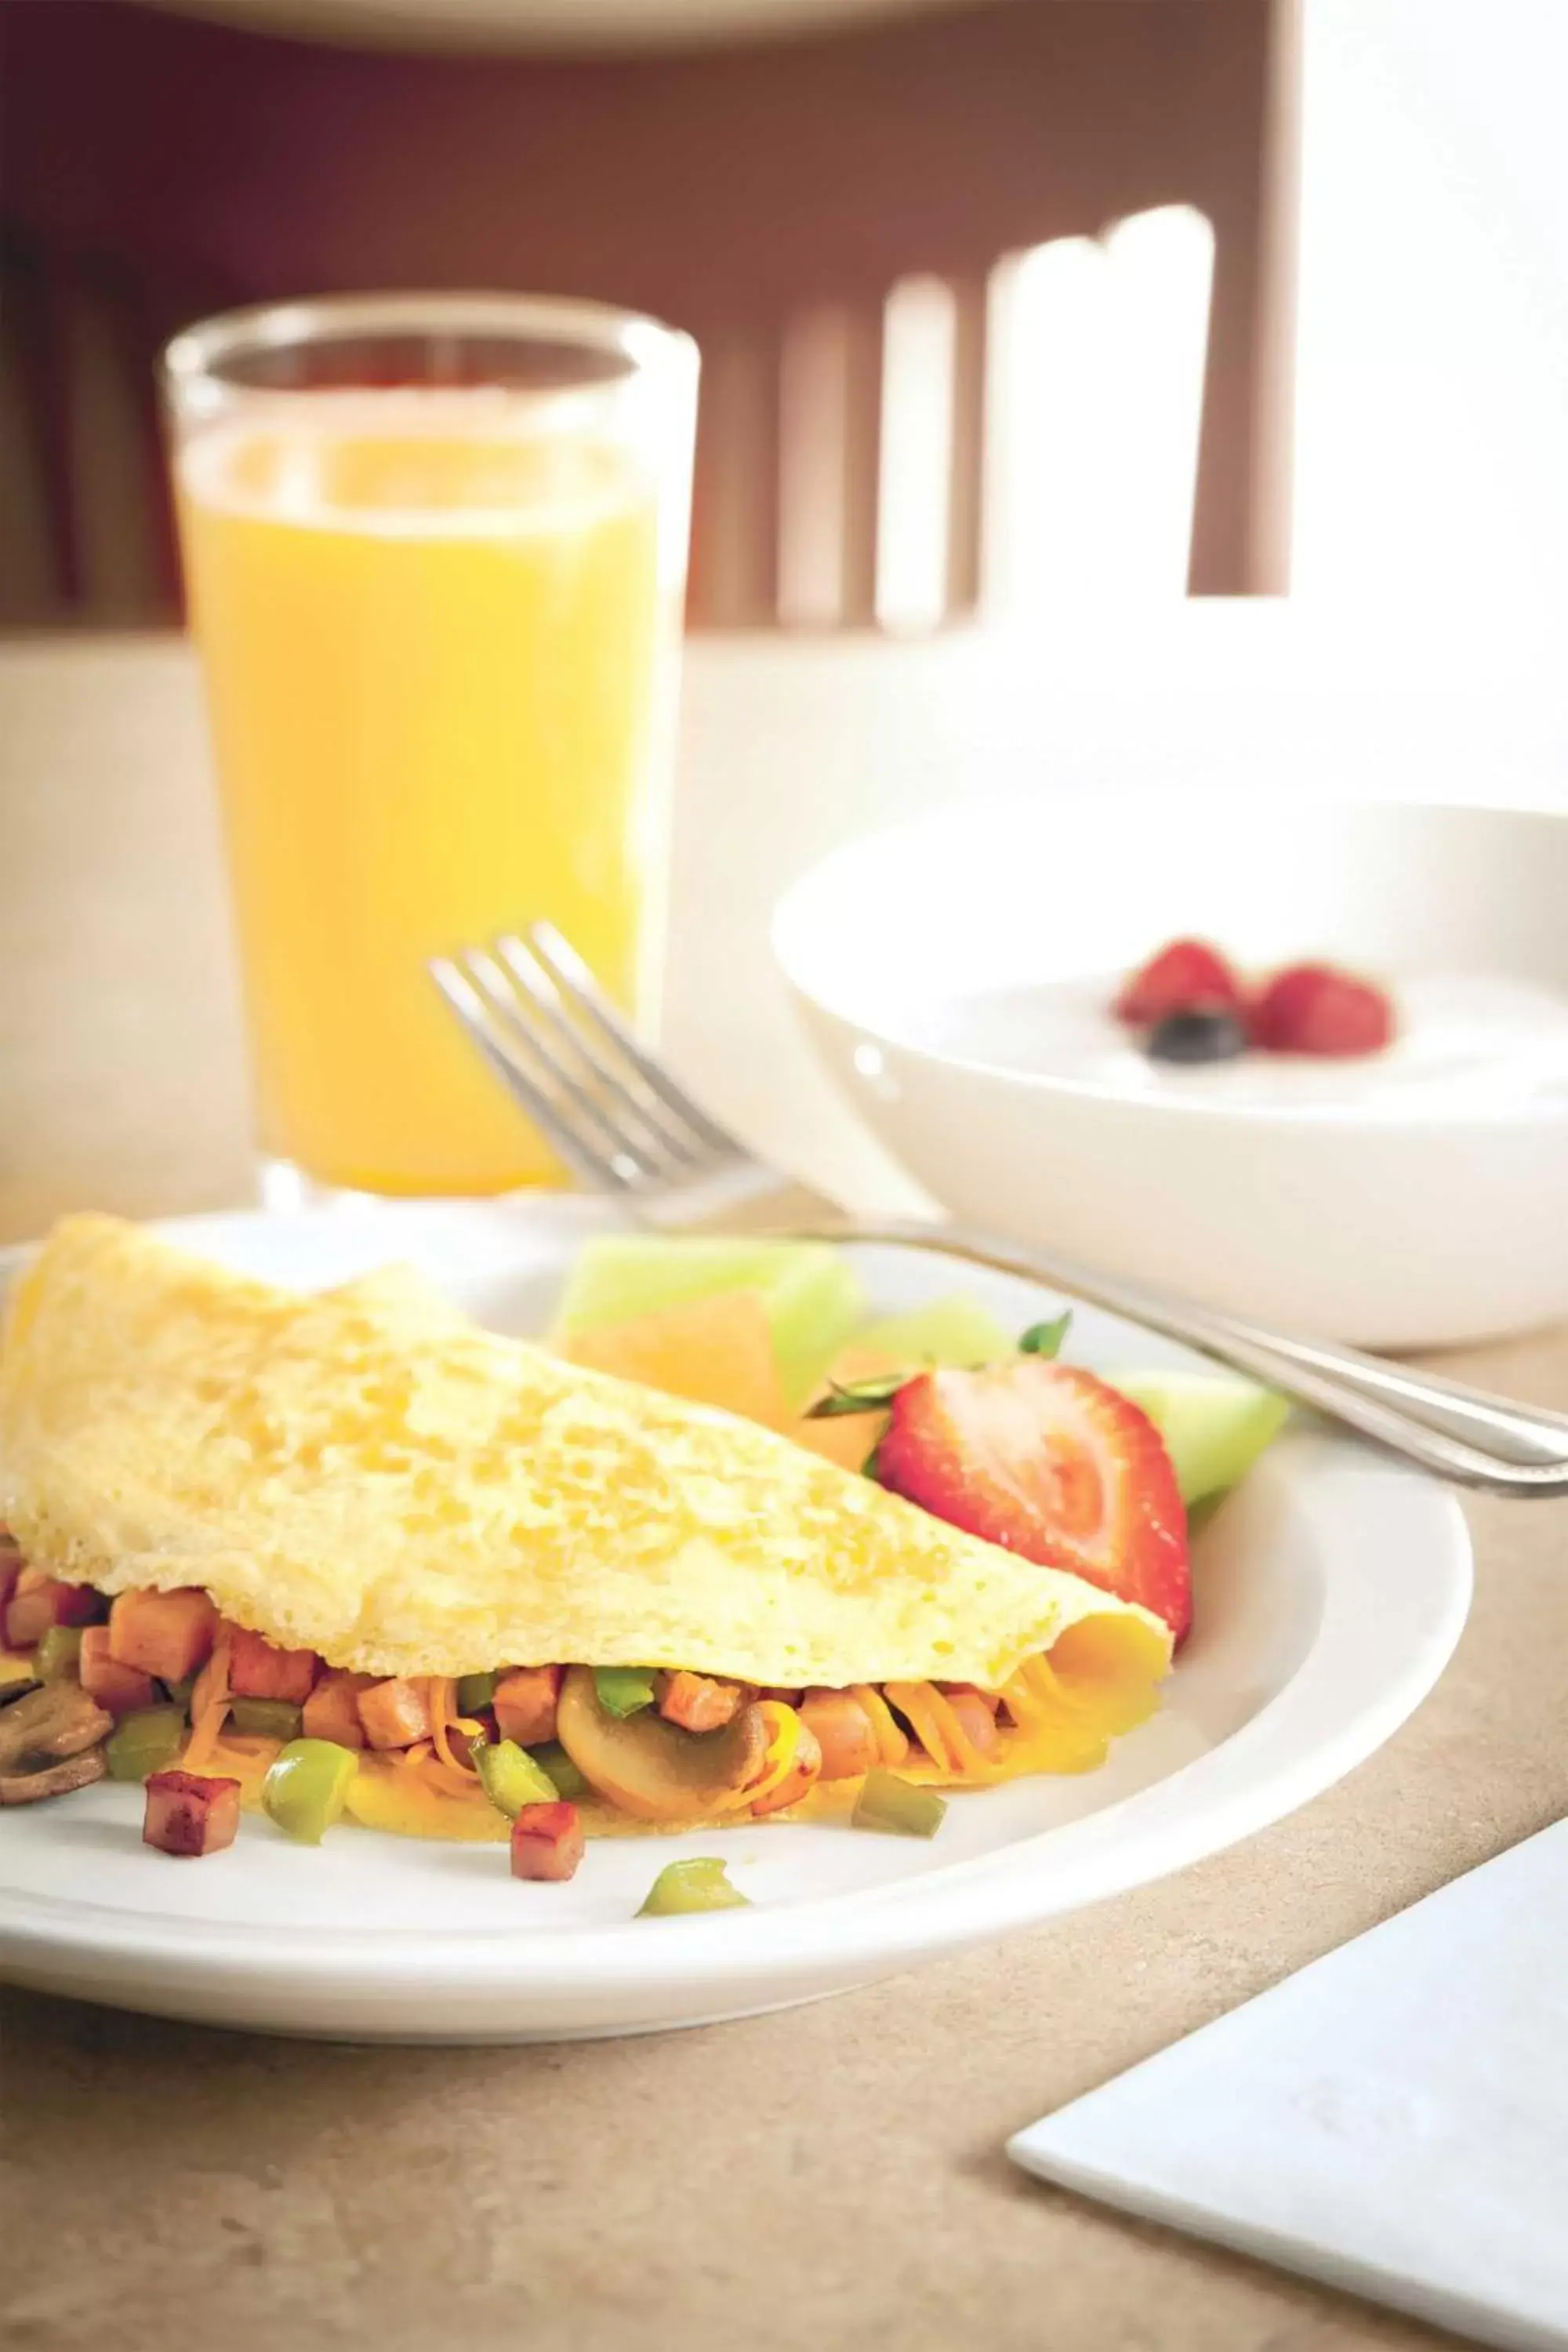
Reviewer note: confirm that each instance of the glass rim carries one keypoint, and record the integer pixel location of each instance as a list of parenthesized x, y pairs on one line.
[(201, 352)]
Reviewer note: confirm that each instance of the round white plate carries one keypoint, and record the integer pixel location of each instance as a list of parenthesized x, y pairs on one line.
[(1330, 1592)]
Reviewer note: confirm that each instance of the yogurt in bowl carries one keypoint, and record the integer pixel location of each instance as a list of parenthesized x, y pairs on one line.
[(958, 976), (1465, 1041)]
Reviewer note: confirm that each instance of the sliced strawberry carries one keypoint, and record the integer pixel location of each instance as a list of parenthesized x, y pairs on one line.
[(1311, 1008), (1049, 1462), (1188, 976)]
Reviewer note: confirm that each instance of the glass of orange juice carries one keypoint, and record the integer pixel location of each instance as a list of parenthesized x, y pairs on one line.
[(435, 548)]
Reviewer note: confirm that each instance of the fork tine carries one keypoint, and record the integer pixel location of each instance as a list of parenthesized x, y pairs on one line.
[(631, 1107), (519, 1023), (600, 1171), (581, 990)]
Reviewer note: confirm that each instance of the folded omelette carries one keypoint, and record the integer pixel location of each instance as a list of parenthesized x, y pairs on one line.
[(363, 1475)]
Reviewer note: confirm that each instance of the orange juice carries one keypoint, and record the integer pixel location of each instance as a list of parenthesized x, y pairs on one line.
[(439, 661)]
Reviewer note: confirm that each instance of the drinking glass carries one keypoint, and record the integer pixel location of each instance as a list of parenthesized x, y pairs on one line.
[(435, 551)]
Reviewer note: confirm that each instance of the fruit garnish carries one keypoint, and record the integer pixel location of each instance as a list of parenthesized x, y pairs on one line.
[(952, 1330), (713, 1350), (1048, 1461), (1313, 1008), (859, 1396), (812, 1294), (1215, 1428), (1046, 1339), (1208, 1034), (1187, 976)]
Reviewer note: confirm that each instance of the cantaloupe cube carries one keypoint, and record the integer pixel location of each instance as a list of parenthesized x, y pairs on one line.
[(849, 1438), (810, 1291), (169, 1635), (717, 1350)]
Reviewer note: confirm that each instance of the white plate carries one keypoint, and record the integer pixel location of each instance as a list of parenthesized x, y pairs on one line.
[(1332, 1590)]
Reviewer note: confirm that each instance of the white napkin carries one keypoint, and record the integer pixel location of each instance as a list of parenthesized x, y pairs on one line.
[(1393, 2120)]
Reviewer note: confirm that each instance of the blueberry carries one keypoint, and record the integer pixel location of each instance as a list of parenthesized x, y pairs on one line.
[(1196, 1037)]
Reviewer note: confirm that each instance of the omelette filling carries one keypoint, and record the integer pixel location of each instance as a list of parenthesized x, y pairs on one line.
[(346, 1554), (634, 1749)]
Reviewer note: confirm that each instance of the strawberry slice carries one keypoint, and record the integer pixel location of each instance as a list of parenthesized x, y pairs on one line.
[(1188, 976), (1049, 1462), (1311, 1008)]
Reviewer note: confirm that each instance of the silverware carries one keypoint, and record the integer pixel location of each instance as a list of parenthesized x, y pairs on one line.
[(623, 1123)]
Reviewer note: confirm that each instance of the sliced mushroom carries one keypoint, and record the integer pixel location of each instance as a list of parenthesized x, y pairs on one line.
[(11, 1692), (647, 1767), (53, 1724), (53, 1779)]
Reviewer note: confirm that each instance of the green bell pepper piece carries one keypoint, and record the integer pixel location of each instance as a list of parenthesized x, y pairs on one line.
[(475, 1693), (568, 1781), (624, 1690), (306, 1788), (685, 1886), (268, 1719), (887, 1804), (57, 1656), (510, 1776), (144, 1742)]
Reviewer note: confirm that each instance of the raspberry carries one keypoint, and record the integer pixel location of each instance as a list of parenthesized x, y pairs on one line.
[(1311, 1008)]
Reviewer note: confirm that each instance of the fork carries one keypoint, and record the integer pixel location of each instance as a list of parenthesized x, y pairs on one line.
[(624, 1125)]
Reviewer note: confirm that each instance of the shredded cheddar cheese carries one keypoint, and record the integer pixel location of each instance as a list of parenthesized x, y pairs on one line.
[(783, 1745), (208, 1720), (892, 1744), (441, 1705)]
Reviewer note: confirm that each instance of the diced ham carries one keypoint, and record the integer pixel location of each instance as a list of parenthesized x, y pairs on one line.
[(10, 1571), (188, 1814), (257, 1669), (991, 1699), (844, 1732), (331, 1711), (546, 1842), (120, 1689), (524, 1702), (697, 1702), (169, 1635), (394, 1712), (39, 1602), (461, 1741)]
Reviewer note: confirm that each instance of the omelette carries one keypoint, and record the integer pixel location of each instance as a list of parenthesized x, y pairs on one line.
[(429, 1544)]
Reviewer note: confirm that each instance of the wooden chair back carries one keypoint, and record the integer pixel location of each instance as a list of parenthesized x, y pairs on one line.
[(167, 166)]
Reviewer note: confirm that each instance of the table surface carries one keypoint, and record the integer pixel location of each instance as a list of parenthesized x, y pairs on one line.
[(810, 2178)]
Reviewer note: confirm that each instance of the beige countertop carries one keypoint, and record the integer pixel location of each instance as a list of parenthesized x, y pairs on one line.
[(827, 2176)]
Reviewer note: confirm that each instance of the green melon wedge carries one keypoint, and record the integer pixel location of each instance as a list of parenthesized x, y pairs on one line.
[(1215, 1428), (813, 1296), (949, 1331)]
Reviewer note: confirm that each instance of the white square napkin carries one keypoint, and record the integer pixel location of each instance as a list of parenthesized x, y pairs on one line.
[(1393, 2120)]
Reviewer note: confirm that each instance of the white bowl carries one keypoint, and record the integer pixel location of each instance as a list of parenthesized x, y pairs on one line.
[(1386, 1203)]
